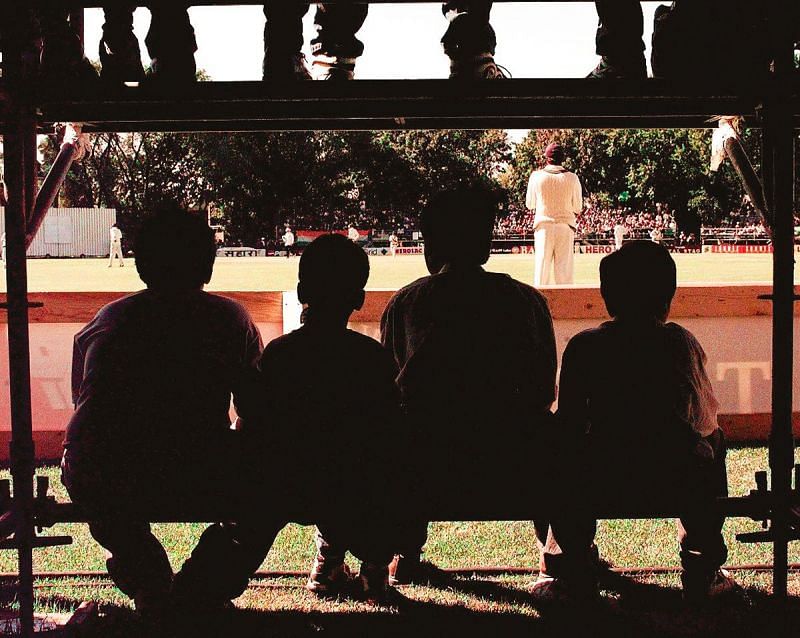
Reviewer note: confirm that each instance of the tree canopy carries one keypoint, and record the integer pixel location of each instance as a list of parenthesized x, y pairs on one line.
[(256, 181)]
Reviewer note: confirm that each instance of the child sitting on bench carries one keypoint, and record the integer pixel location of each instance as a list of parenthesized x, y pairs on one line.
[(323, 418), (635, 392)]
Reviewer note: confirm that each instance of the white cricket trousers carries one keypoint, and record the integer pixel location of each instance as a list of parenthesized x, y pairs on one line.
[(554, 254), (115, 251)]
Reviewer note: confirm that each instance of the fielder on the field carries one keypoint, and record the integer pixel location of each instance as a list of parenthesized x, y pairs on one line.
[(619, 233), (288, 242), (115, 247), (394, 243), (556, 198)]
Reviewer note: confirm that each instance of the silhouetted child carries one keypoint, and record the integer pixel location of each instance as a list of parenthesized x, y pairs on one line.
[(323, 416), (328, 392), (636, 393)]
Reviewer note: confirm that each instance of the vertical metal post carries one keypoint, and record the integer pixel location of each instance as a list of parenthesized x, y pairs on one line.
[(76, 21), (22, 451), (20, 137), (780, 136)]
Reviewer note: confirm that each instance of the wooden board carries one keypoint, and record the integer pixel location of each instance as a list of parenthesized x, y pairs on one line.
[(580, 302)]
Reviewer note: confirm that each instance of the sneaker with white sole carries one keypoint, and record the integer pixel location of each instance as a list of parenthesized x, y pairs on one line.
[(329, 580), (326, 67), (477, 67)]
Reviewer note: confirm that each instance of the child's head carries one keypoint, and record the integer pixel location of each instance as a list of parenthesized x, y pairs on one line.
[(638, 281), (333, 273), (457, 227)]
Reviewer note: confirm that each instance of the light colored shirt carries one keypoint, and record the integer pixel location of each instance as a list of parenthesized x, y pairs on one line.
[(555, 195), (623, 380), (352, 234), (288, 238), (115, 234), (722, 134)]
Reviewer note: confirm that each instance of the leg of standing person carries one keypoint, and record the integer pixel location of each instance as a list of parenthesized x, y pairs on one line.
[(111, 254), (283, 42), (619, 40), (62, 51), (689, 42), (171, 43), (543, 255), (335, 47), (120, 256), (119, 48), (470, 40), (563, 254)]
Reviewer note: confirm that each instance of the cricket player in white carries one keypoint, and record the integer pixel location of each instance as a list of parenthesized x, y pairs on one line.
[(352, 234), (115, 249), (556, 198), (288, 241), (619, 234)]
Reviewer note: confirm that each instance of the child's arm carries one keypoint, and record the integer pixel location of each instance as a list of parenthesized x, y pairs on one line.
[(573, 388)]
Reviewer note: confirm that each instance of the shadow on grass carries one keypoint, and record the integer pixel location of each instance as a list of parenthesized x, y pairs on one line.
[(640, 609)]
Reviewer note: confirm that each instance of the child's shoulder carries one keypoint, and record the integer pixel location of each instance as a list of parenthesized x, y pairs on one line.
[(603, 331), (363, 342)]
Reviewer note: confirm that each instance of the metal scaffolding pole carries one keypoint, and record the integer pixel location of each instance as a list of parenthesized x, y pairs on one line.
[(19, 149), (780, 145)]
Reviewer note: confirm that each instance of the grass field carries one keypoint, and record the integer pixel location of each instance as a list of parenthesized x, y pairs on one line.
[(278, 273), (473, 606)]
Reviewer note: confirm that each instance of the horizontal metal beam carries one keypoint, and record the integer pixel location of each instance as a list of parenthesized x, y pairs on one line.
[(143, 3), (393, 104), (735, 507)]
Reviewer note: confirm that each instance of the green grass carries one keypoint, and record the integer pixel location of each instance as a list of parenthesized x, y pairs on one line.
[(470, 604), (274, 273)]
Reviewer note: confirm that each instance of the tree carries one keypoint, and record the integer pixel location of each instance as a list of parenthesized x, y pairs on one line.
[(639, 168)]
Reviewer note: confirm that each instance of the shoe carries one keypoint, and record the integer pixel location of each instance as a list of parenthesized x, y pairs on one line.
[(374, 587), (326, 580), (325, 67), (405, 571), (122, 62), (179, 70), (289, 69), (700, 588), (548, 590), (477, 67), (629, 70)]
